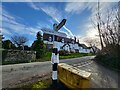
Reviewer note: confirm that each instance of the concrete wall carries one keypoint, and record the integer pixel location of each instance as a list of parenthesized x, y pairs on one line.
[(73, 77), (19, 55)]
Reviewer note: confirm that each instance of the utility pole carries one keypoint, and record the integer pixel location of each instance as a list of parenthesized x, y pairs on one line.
[(119, 22), (98, 25), (55, 53)]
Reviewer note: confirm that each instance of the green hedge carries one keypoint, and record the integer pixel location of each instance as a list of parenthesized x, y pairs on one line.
[(64, 53), (109, 61)]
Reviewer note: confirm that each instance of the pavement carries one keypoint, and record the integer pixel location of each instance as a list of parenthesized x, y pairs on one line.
[(17, 74)]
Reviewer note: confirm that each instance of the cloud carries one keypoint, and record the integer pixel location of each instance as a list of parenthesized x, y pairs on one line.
[(87, 27), (78, 8), (33, 6), (69, 32), (11, 25), (59, 0), (92, 6), (52, 12), (75, 7)]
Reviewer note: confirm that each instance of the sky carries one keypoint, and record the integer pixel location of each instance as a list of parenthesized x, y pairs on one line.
[(27, 18)]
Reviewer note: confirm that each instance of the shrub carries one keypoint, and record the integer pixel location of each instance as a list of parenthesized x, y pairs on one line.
[(63, 53), (108, 60), (39, 46), (40, 53)]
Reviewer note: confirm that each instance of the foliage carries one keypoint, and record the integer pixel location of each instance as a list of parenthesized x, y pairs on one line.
[(63, 53), (26, 47), (42, 84), (7, 44), (109, 56), (47, 57), (38, 46), (109, 34), (76, 55)]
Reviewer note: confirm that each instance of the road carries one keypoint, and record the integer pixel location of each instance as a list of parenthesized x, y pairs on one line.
[(101, 77), (13, 75)]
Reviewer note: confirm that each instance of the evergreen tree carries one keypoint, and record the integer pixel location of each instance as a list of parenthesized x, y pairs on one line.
[(39, 46), (7, 44)]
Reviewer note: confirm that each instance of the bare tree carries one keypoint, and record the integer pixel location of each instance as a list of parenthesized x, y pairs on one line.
[(108, 26), (19, 40), (93, 43)]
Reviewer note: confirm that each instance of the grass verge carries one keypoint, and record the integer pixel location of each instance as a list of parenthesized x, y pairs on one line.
[(47, 57), (44, 85), (40, 84)]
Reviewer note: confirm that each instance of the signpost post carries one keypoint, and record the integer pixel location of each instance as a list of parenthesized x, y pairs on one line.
[(55, 53)]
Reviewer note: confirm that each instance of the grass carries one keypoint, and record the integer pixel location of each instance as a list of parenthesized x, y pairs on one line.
[(45, 84), (47, 57), (35, 85), (75, 55)]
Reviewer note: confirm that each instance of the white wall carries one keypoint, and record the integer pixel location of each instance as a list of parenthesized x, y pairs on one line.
[(47, 42), (59, 44), (67, 48), (82, 50), (72, 46)]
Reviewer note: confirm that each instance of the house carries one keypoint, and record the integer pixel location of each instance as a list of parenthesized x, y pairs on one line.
[(63, 42), (95, 49), (66, 47), (84, 49)]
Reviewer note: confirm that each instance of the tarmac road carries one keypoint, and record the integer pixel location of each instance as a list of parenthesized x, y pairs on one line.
[(13, 75), (101, 77)]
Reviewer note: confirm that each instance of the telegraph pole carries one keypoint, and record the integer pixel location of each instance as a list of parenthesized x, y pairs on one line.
[(119, 22)]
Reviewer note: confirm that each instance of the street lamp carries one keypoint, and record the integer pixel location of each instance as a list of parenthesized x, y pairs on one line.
[(55, 54)]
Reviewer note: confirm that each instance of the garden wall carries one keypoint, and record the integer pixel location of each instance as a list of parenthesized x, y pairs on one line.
[(18, 55)]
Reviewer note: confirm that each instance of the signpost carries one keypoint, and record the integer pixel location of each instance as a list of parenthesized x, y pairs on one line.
[(55, 53)]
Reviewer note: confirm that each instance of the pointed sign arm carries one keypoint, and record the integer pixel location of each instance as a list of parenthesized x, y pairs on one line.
[(60, 25)]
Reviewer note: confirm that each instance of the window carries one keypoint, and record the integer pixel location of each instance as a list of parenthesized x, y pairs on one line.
[(62, 40), (50, 39)]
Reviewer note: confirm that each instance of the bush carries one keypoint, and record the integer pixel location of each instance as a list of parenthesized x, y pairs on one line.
[(40, 53), (39, 46), (108, 60), (64, 53), (72, 52)]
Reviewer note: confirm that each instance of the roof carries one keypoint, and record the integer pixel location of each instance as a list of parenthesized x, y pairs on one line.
[(84, 46), (65, 45), (53, 32)]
